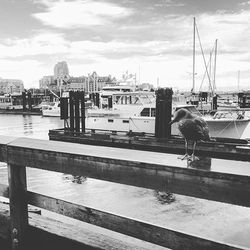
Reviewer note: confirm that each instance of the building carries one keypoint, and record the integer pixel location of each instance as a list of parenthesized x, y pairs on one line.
[(61, 70), (77, 83), (61, 80), (95, 82), (91, 83), (46, 82), (11, 86)]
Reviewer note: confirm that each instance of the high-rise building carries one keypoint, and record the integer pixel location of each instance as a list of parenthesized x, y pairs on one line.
[(61, 70)]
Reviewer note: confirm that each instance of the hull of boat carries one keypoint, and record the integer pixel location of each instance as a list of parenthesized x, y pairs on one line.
[(217, 128), (227, 128), (53, 113)]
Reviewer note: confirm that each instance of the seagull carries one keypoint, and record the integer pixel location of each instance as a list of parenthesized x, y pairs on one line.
[(193, 128)]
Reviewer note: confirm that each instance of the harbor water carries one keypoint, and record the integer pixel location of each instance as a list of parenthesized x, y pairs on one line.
[(218, 221)]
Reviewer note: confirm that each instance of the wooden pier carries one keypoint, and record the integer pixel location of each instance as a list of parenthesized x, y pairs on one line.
[(223, 148), (219, 180)]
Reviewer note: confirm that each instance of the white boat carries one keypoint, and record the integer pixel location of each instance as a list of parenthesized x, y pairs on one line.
[(135, 112), (7, 102), (51, 109)]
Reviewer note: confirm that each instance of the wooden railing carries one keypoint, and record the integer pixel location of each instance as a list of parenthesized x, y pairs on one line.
[(149, 170)]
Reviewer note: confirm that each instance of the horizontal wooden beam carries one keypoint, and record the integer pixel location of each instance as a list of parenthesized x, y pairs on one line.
[(148, 232), (223, 148), (151, 170), (47, 233), (162, 236)]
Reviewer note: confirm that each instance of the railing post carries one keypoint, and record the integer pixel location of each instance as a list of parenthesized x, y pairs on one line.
[(18, 205)]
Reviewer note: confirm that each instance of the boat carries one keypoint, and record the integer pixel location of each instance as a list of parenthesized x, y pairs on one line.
[(51, 109), (11, 102), (135, 112)]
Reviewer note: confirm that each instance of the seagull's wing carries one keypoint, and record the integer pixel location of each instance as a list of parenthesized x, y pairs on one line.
[(203, 128)]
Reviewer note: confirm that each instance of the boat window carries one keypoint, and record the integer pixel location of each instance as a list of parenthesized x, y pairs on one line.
[(110, 120), (125, 121), (153, 112), (147, 98), (145, 112)]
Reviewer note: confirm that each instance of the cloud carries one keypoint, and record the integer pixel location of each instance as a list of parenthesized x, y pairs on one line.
[(100, 36), (29, 71), (244, 3), (42, 43), (76, 14)]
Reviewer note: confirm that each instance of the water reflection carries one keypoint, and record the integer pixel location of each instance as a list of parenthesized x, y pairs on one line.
[(27, 124)]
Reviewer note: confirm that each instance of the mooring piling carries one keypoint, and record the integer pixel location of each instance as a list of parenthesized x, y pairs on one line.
[(163, 112)]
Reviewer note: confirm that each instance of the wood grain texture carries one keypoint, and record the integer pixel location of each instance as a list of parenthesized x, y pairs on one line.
[(18, 206), (133, 167)]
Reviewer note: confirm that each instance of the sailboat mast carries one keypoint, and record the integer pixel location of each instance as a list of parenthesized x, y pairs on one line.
[(193, 58), (238, 81), (215, 55)]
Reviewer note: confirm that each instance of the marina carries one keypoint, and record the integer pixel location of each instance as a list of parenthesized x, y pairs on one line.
[(104, 195), (124, 125), (135, 112)]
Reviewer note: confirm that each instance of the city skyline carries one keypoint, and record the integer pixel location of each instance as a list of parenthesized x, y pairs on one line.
[(153, 39)]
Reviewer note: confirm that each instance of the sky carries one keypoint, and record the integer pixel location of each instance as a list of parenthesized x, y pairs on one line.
[(150, 38)]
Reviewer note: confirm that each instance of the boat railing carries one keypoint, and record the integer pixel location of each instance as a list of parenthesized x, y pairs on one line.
[(117, 165)]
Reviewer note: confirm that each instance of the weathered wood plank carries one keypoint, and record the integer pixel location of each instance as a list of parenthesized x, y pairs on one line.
[(152, 170), (4, 190), (50, 234), (4, 141), (149, 143), (148, 232), (18, 206), (152, 233)]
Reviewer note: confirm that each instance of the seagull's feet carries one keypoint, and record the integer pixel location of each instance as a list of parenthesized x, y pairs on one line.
[(193, 158), (186, 156)]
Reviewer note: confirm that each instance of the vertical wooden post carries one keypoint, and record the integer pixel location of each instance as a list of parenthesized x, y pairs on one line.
[(214, 102), (29, 101), (97, 96), (77, 113), (157, 118), (24, 100), (82, 99), (71, 111), (163, 113), (168, 111), (18, 206)]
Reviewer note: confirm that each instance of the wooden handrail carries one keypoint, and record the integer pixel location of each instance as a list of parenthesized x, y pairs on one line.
[(162, 236), (132, 167)]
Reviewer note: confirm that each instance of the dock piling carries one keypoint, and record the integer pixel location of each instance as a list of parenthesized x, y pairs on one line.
[(163, 112), (77, 111), (71, 111), (82, 101)]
